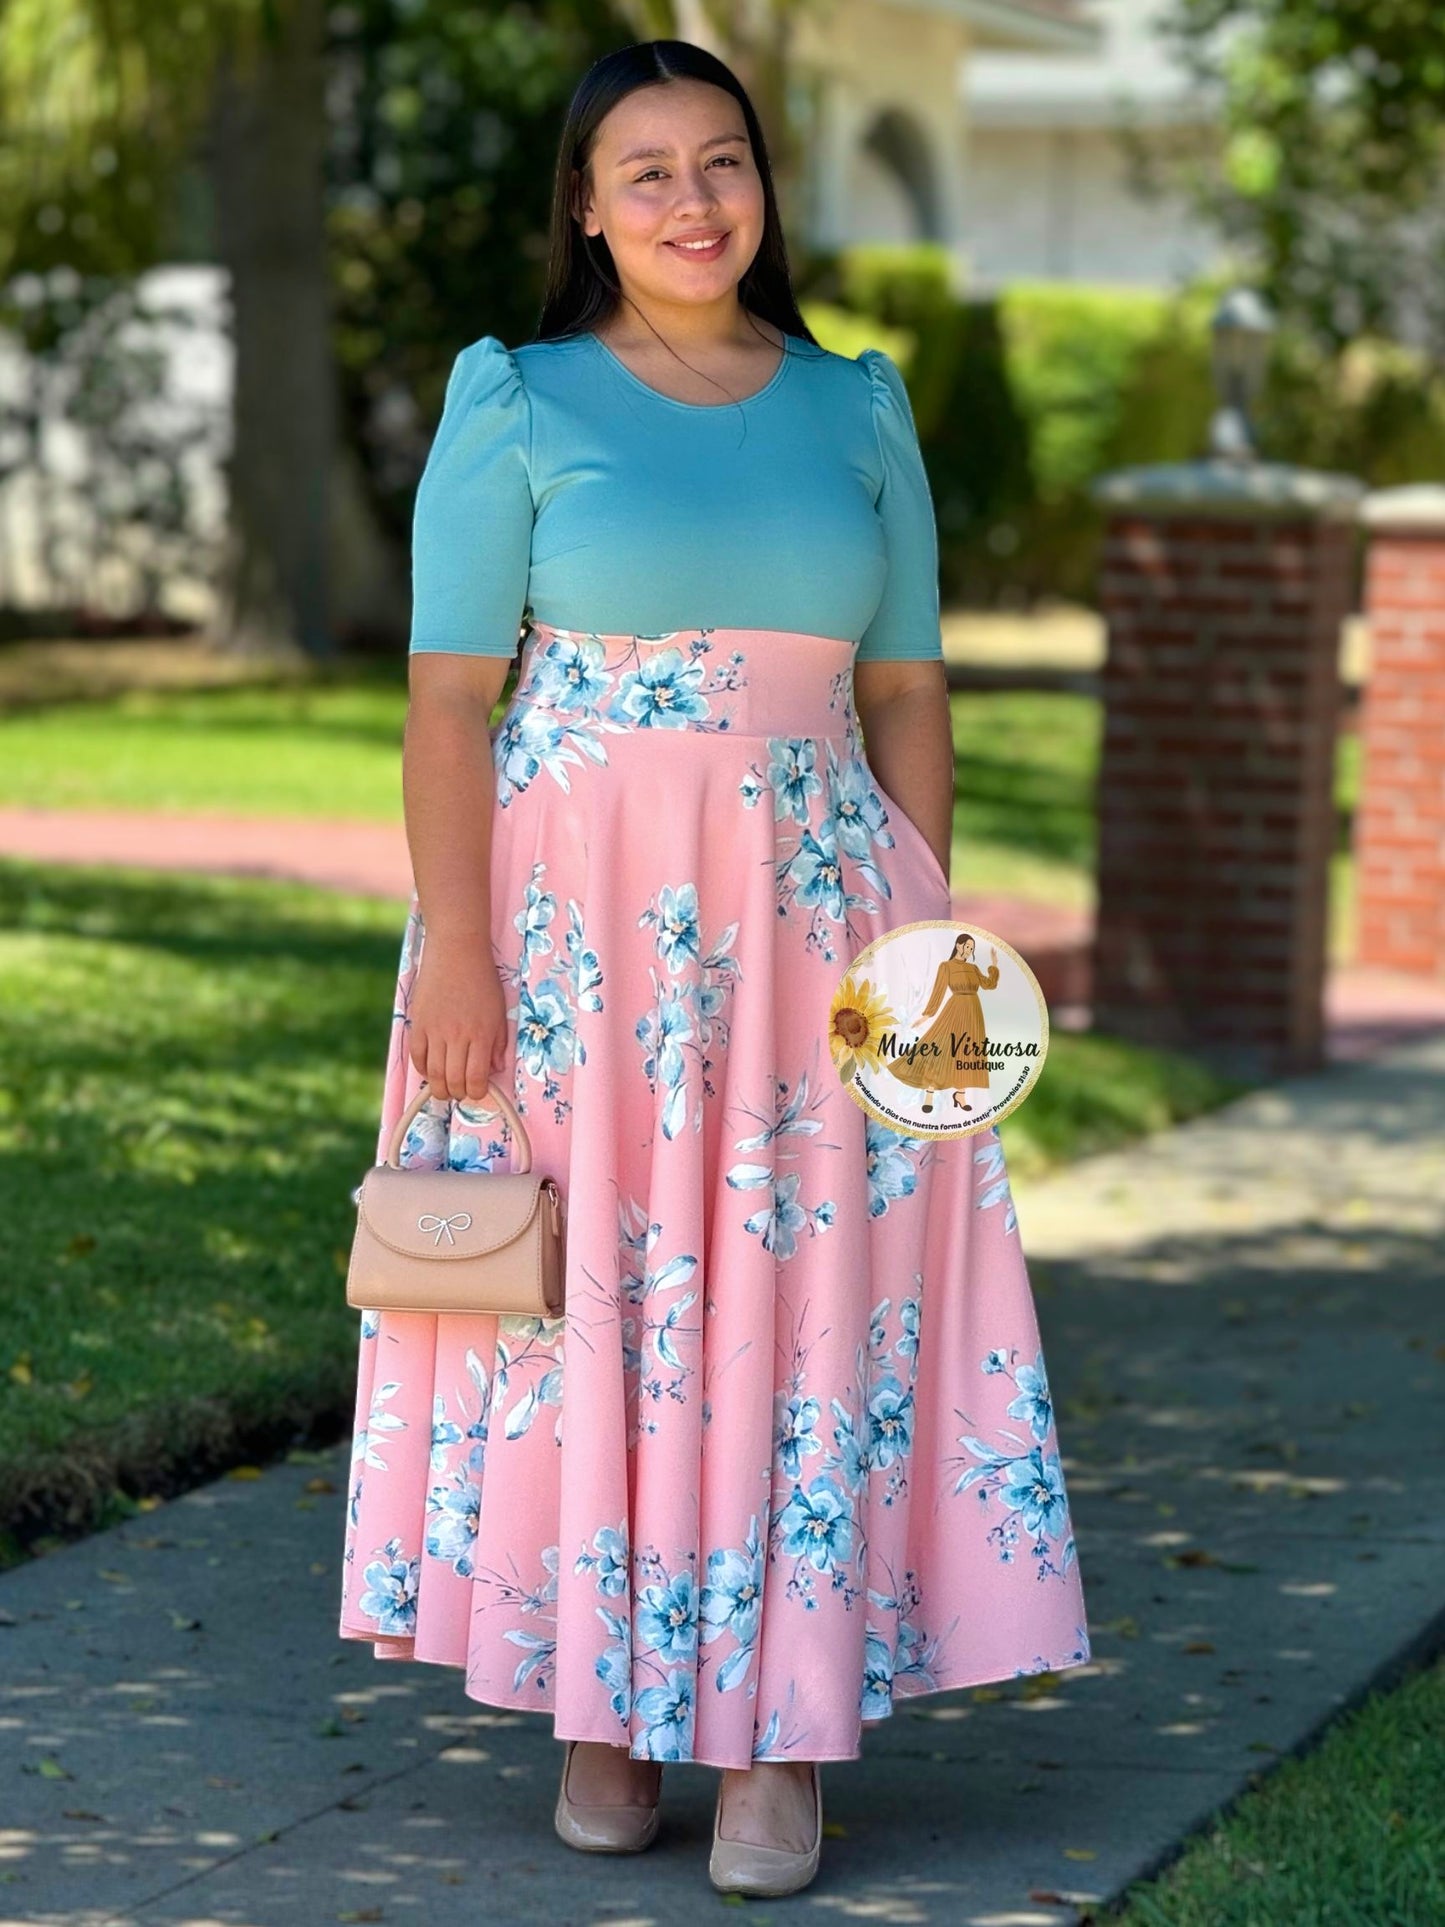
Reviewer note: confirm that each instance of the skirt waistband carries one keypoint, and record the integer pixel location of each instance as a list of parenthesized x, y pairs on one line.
[(731, 682)]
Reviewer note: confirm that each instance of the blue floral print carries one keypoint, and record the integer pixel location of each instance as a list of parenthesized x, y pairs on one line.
[(666, 1713), (571, 698), (796, 1436), (1028, 1483), (390, 1596), (539, 1649), (892, 1165), (818, 1525), (782, 1216), (840, 821), (685, 1019), (996, 1188), (613, 1665), (732, 1602), (667, 1618), (608, 1559)]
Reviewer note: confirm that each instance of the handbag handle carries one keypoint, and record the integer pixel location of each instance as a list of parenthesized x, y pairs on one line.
[(521, 1143)]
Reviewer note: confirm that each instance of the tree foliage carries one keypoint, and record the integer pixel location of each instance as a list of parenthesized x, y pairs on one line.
[(1331, 172)]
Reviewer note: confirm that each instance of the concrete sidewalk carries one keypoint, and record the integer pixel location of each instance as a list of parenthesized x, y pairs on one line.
[(1241, 1318)]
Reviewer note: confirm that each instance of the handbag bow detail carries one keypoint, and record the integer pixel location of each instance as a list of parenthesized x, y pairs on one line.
[(459, 1221)]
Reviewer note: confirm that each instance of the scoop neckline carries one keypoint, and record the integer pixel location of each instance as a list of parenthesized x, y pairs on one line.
[(694, 407)]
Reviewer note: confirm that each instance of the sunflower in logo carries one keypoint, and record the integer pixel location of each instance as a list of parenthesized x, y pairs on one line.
[(857, 1019)]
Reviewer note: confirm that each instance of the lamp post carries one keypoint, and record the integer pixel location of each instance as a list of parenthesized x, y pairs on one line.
[(1241, 328)]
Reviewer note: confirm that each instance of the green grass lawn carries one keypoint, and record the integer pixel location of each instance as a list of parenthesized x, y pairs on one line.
[(1352, 1834), (330, 748), (192, 1074), (192, 1089)]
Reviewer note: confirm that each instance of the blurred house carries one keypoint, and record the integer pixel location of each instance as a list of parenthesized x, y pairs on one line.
[(1049, 195), (879, 92)]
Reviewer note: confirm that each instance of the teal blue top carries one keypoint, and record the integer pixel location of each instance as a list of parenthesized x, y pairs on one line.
[(562, 487)]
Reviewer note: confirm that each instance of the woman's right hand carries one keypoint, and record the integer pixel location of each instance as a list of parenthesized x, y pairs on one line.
[(459, 1019)]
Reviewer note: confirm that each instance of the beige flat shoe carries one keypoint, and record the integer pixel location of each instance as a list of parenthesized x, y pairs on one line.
[(740, 1867), (591, 1829)]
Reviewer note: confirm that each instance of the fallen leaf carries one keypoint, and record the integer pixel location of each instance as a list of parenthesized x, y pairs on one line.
[(49, 1769), (1038, 1685), (1081, 1853), (244, 1472)]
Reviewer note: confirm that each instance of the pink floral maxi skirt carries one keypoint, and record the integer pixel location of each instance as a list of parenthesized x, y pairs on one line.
[(790, 1456)]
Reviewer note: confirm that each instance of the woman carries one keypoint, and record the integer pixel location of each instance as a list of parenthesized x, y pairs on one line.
[(951, 1051), (805, 1432)]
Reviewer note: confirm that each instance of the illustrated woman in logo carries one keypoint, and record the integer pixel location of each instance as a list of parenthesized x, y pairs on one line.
[(957, 1062)]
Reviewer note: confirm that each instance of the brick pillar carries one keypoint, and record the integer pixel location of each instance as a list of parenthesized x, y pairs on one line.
[(1400, 827), (1223, 588)]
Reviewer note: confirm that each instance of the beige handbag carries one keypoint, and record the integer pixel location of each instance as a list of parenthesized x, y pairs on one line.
[(483, 1241)]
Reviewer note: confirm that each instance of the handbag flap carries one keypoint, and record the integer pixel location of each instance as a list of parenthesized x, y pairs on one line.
[(447, 1214)]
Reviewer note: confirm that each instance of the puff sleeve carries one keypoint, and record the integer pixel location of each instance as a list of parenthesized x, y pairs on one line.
[(905, 625), (472, 521)]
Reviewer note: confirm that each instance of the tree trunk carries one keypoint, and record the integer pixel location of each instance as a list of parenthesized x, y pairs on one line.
[(268, 152)]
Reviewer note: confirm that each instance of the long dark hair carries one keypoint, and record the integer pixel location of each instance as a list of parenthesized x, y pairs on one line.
[(582, 288)]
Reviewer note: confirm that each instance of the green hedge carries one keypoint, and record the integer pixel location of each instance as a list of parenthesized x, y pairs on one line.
[(1022, 399)]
